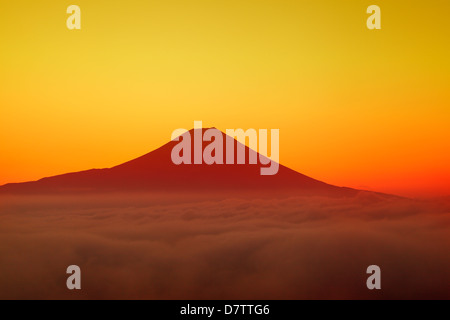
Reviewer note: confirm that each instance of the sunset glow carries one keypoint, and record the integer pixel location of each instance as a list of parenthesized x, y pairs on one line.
[(355, 107)]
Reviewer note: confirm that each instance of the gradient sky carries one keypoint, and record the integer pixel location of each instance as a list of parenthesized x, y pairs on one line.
[(355, 107)]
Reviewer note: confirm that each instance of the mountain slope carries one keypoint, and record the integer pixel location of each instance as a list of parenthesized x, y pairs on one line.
[(156, 172)]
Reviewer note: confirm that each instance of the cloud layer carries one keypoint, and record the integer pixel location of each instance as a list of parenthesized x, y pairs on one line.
[(166, 247)]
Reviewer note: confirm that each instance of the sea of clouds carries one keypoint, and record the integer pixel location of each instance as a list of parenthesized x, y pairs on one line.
[(184, 247)]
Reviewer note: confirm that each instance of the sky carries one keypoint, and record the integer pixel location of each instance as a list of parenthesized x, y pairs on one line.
[(355, 107)]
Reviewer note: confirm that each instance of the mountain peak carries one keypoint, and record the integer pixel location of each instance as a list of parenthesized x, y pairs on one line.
[(155, 172)]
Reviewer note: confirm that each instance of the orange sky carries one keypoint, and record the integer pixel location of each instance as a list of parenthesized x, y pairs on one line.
[(355, 107)]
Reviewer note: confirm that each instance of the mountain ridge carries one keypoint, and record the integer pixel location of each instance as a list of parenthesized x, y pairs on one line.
[(154, 171)]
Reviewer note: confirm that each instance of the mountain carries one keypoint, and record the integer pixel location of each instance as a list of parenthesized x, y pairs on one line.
[(155, 172)]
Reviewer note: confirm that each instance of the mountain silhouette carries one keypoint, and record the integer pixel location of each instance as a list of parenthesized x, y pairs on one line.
[(155, 172)]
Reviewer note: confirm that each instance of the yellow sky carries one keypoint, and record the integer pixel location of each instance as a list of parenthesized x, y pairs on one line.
[(355, 107)]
